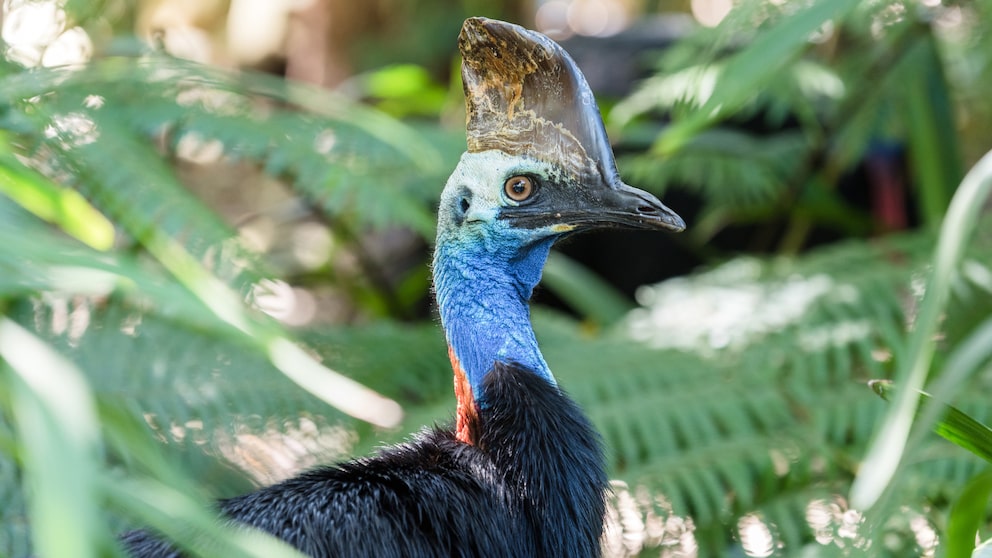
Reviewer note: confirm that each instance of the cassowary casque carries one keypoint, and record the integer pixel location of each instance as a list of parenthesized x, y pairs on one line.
[(522, 472)]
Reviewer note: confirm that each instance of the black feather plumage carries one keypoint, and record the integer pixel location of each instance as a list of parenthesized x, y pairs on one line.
[(533, 485)]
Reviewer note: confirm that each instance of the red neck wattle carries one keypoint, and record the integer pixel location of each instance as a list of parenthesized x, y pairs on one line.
[(467, 415)]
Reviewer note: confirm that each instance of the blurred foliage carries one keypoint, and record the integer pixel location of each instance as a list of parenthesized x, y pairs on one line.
[(769, 125), (155, 212)]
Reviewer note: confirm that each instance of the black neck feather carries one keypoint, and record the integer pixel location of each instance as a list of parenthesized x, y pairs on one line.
[(550, 458), (533, 486)]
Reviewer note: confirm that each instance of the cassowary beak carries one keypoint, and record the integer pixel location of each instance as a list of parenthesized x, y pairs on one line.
[(526, 97), (620, 206), (593, 205)]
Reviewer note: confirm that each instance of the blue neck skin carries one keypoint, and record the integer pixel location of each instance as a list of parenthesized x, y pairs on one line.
[(482, 286)]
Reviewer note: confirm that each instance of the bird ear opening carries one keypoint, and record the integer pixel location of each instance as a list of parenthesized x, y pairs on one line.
[(463, 202)]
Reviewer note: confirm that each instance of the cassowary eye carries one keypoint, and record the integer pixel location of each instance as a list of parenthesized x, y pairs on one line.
[(518, 188)]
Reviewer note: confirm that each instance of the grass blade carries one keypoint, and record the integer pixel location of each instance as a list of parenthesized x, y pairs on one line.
[(931, 131), (64, 207), (967, 515), (885, 453), (58, 434), (955, 425)]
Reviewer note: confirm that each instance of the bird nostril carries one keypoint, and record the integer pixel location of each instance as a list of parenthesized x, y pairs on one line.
[(647, 209)]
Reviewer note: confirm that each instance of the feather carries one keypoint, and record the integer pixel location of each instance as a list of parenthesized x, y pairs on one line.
[(534, 485)]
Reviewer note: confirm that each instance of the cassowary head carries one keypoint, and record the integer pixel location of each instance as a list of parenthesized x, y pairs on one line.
[(538, 164), (538, 167)]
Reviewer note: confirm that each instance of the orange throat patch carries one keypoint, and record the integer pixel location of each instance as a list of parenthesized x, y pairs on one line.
[(467, 415)]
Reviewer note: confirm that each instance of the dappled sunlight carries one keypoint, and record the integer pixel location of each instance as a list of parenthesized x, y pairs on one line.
[(239, 32), (925, 535), (731, 306), (291, 306), (834, 523), (35, 34), (838, 334), (256, 29), (641, 521), (324, 142), (64, 316), (217, 100), (882, 20), (276, 452), (71, 47), (195, 148), (269, 452), (756, 536), (72, 130), (312, 245), (280, 451), (266, 450), (816, 80)]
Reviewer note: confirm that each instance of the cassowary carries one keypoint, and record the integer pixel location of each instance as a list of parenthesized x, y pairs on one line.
[(522, 473)]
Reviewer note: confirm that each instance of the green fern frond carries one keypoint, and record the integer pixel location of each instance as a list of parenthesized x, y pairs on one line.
[(722, 431), (347, 159), (731, 168)]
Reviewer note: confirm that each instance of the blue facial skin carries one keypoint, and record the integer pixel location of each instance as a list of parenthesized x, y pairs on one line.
[(485, 269), (484, 274)]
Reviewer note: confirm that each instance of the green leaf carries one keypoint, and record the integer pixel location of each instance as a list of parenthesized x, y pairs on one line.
[(196, 295), (58, 430), (886, 452), (746, 72), (931, 129), (955, 426), (62, 206), (967, 516)]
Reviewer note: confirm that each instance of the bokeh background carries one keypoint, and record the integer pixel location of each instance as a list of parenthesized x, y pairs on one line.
[(216, 219)]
